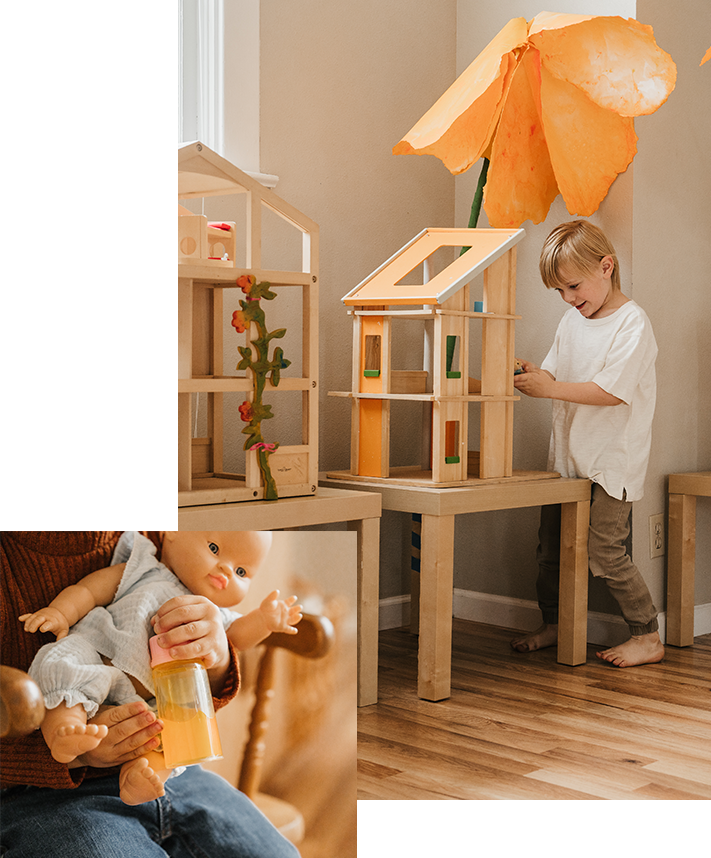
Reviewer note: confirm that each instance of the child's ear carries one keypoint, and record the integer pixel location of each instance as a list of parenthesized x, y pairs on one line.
[(608, 266)]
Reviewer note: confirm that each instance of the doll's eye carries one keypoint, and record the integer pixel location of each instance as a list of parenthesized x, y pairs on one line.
[(213, 547), (240, 571)]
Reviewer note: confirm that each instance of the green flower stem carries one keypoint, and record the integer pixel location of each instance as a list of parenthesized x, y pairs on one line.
[(478, 197)]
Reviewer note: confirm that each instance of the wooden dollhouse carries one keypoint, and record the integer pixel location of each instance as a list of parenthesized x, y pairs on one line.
[(442, 301), (214, 281)]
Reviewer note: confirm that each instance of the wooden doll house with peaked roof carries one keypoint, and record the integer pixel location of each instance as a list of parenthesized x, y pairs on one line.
[(218, 264), (442, 301)]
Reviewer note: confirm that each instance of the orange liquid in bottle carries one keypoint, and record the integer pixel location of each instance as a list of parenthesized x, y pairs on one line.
[(189, 737), (184, 702)]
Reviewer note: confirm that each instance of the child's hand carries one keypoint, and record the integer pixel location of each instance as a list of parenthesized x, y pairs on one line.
[(280, 615), (46, 620), (534, 381), (191, 627)]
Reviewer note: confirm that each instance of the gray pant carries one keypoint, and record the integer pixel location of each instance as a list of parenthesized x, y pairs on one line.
[(608, 559)]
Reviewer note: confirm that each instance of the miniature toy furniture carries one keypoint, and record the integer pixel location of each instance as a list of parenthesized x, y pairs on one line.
[(442, 301), (208, 273), (314, 640), (683, 491), (439, 508), (361, 512)]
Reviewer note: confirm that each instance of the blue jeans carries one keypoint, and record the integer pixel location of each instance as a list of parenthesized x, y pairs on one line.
[(200, 816)]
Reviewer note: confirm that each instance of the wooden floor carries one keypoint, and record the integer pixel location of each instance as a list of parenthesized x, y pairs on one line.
[(524, 727)]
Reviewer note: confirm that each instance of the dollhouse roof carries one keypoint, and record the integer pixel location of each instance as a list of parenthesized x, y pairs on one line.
[(383, 285), (204, 173)]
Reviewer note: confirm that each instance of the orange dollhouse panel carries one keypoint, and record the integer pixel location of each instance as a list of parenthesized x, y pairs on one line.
[(384, 286)]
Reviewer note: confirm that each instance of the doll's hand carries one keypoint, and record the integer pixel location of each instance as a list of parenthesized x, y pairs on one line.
[(281, 615), (534, 381), (133, 731), (46, 620), (191, 627)]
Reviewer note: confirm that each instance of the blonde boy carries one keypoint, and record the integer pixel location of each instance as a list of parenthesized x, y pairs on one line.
[(600, 375)]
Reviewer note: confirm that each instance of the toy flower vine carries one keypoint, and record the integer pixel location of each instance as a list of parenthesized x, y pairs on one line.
[(262, 367)]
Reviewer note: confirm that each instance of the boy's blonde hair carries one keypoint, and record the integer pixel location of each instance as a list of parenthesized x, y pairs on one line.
[(577, 246)]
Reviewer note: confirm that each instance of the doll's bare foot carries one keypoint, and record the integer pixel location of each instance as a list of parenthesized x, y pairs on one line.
[(639, 649), (139, 783), (545, 635), (71, 740)]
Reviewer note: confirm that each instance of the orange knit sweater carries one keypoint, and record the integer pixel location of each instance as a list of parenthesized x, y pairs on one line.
[(35, 567)]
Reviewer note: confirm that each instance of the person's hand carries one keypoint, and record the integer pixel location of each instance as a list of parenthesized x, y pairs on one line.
[(133, 731), (281, 615), (46, 620), (191, 627), (534, 381)]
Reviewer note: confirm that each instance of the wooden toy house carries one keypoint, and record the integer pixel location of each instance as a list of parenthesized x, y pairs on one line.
[(210, 272), (442, 301)]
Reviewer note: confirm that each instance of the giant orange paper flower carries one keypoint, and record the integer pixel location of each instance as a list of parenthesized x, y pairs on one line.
[(551, 104)]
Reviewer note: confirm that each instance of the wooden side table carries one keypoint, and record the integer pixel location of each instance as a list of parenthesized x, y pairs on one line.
[(438, 508), (360, 511), (683, 491)]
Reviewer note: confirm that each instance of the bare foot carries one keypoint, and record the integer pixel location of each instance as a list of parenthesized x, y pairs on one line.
[(71, 740), (639, 649), (139, 783), (545, 635)]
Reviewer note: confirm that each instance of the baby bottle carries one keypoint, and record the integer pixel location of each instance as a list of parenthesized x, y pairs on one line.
[(184, 702)]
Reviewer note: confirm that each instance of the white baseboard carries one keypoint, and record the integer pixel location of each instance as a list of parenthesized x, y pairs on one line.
[(510, 613)]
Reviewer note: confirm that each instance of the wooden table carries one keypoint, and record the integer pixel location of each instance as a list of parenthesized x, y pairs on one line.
[(683, 491), (359, 510), (438, 508)]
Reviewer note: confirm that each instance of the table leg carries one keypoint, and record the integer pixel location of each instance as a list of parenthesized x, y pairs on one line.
[(436, 582), (680, 570), (368, 559), (573, 607)]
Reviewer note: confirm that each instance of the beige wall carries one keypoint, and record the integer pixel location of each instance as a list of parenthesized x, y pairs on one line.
[(342, 82)]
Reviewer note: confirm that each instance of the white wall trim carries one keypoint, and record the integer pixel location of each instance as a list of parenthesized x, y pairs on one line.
[(507, 612)]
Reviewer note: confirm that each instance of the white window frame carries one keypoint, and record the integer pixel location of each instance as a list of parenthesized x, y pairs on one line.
[(201, 68)]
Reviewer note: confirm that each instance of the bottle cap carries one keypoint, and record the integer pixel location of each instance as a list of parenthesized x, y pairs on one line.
[(158, 654)]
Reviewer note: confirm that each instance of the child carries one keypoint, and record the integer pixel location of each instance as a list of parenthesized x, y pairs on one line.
[(101, 653), (600, 375)]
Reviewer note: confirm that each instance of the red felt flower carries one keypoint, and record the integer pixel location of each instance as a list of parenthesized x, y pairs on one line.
[(246, 282), (246, 412), (239, 323)]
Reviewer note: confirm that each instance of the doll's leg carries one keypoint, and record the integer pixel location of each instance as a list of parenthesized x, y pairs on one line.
[(142, 779), (67, 734)]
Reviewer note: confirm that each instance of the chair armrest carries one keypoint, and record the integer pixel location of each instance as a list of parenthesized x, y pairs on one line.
[(21, 703)]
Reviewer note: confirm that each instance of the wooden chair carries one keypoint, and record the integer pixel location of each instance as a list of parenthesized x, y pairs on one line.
[(314, 640), (22, 710)]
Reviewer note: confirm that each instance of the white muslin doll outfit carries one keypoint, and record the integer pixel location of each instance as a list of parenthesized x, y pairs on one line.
[(71, 670)]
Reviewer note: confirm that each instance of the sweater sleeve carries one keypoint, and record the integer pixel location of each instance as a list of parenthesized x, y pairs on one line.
[(35, 567)]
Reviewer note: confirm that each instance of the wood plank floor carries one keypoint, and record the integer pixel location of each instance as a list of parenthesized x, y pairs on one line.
[(524, 727)]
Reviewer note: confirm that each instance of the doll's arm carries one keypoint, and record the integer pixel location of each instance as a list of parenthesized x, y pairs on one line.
[(273, 615), (74, 602)]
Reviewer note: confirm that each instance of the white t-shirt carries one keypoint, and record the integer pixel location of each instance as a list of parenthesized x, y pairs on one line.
[(607, 444)]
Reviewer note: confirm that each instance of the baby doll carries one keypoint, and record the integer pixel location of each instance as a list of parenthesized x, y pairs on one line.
[(103, 624)]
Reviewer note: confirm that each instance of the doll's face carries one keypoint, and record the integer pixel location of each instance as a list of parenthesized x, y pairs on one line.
[(218, 565)]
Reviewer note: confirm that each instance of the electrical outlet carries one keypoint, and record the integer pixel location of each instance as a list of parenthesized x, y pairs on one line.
[(657, 541)]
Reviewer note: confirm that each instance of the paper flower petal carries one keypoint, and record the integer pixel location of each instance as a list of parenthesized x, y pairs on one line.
[(588, 145), (707, 56), (521, 183), (615, 61), (457, 129)]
